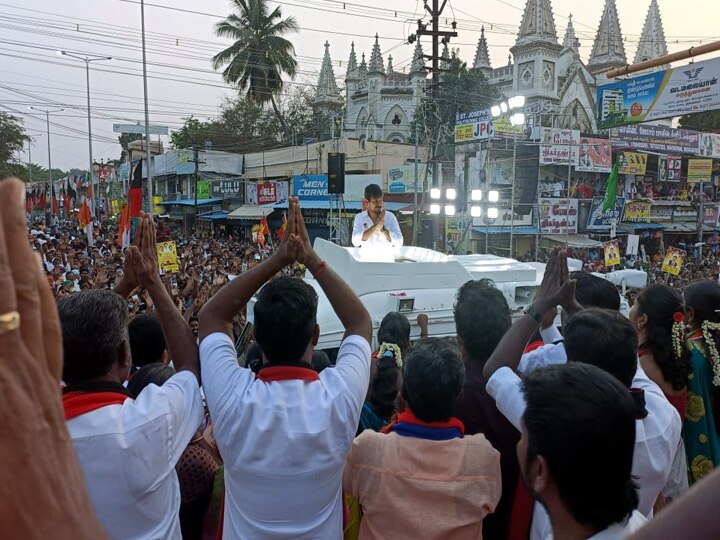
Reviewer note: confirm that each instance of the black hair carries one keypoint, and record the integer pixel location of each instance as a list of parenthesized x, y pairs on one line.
[(147, 341), (659, 303), (581, 421), (703, 297), (320, 361), (395, 328), (433, 377), (94, 326), (603, 338), (373, 191), (253, 358), (593, 291), (482, 317), (156, 373), (285, 307)]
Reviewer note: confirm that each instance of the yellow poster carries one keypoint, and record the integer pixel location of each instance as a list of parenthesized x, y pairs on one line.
[(636, 212), (167, 257), (633, 163), (674, 260), (699, 170), (612, 253)]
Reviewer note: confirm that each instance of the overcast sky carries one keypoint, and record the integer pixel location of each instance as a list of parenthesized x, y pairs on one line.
[(180, 45)]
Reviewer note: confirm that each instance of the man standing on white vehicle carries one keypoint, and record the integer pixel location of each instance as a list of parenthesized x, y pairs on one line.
[(375, 231)]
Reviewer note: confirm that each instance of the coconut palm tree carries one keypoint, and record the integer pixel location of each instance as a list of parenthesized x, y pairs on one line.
[(259, 55)]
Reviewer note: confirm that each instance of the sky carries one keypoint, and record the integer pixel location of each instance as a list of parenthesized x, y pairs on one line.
[(181, 41)]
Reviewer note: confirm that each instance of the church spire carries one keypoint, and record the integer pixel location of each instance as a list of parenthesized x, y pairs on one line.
[(363, 70), (652, 40), (482, 56), (571, 41), (327, 90), (376, 59), (537, 23), (390, 70), (352, 67), (608, 50), (418, 63)]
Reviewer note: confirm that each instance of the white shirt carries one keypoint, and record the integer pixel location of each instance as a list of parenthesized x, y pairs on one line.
[(128, 455), (284, 443), (656, 436), (364, 222)]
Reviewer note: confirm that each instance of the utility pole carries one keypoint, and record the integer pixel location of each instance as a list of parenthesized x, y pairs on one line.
[(197, 162), (415, 188), (435, 32), (147, 111)]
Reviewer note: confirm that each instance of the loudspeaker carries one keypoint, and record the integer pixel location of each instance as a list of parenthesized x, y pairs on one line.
[(526, 178), (336, 173)]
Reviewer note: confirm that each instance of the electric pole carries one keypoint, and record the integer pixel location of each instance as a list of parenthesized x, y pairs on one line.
[(438, 36)]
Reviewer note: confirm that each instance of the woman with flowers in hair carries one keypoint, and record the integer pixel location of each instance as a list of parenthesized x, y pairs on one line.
[(386, 372), (658, 317), (702, 420)]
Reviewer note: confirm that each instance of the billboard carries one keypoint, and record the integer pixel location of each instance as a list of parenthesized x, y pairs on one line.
[(559, 146), (402, 179), (558, 216), (269, 192), (473, 126), (595, 155), (599, 220), (710, 145), (699, 170), (674, 92), (656, 139), (636, 212), (310, 186), (633, 163)]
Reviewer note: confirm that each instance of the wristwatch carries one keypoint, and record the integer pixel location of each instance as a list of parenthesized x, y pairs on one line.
[(534, 313)]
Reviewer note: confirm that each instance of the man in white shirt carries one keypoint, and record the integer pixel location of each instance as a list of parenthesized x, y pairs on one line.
[(128, 448), (576, 451), (284, 435), (603, 338), (375, 230)]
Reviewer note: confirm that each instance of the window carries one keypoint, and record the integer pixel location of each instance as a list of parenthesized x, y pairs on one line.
[(396, 121)]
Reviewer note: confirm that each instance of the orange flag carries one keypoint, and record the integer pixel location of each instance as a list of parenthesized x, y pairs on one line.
[(283, 226), (84, 215), (124, 228)]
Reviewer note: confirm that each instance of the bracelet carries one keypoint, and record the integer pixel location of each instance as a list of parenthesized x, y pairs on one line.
[(534, 313), (320, 270)]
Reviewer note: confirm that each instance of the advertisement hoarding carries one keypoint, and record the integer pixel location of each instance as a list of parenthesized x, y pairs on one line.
[(473, 126), (674, 92), (599, 220), (636, 212), (558, 216), (558, 146), (595, 155), (656, 139), (699, 170), (633, 163)]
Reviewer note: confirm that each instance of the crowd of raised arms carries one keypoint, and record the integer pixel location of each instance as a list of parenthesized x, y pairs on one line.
[(141, 406)]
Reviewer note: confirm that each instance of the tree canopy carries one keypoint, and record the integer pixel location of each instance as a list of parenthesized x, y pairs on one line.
[(12, 140)]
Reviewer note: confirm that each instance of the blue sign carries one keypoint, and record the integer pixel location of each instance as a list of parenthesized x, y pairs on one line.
[(599, 220), (310, 187)]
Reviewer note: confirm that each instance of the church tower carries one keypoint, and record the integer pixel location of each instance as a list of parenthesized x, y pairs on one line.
[(536, 52), (608, 49), (652, 40), (482, 55)]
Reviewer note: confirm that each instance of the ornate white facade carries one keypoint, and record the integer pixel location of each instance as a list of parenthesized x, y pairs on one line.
[(558, 85)]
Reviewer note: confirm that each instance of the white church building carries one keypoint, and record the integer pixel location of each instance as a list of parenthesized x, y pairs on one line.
[(559, 87)]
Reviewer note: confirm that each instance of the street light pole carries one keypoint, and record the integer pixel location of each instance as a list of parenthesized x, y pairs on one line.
[(87, 59), (52, 188), (147, 111)]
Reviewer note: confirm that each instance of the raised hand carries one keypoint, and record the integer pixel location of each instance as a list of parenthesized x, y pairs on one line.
[(287, 251), (47, 499), (306, 253), (556, 287)]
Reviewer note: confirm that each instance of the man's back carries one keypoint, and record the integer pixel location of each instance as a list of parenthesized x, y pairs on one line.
[(284, 442), (128, 453), (478, 412), (416, 488)]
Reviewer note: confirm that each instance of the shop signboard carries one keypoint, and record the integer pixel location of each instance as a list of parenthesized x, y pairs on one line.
[(633, 163), (661, 214), (203, 189), (595, 155), (599, 220), (656, 139), (636, 212), (559, 146), (710, 216), (558, 216), (699, 170), (227, 188), (710, 145), (673, 92), (402, 179), (685, 214), (473, 126)]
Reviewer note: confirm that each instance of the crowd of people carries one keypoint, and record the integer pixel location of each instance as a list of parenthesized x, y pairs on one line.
[(135, 416)]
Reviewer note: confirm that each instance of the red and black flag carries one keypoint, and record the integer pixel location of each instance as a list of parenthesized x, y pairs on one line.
[(135, 192)]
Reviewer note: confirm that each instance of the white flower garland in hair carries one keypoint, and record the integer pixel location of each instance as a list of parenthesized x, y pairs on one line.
[(678, 334), (394, 349), (707, 327)]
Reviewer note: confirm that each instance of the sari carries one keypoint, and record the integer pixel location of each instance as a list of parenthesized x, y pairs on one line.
[(702, 443)]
